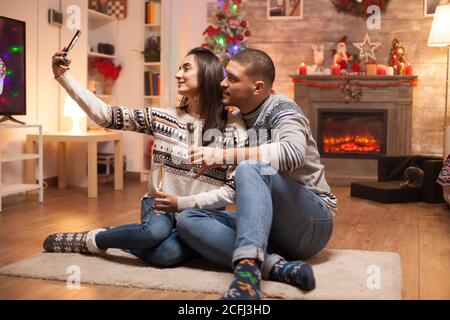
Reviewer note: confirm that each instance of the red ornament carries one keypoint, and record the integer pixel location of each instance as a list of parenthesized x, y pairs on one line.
[(208, 31), (244, 24), (356, 67), (247, 33)]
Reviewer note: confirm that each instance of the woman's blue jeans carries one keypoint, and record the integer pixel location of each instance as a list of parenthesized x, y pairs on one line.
[(275, 214), (155, 240)]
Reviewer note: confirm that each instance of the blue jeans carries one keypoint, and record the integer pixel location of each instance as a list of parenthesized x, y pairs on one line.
[(275, 214), (155, 240)]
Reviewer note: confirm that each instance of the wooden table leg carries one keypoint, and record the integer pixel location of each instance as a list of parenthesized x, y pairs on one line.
[(118, 165), (30, 165), (62, 170), (92, 170)]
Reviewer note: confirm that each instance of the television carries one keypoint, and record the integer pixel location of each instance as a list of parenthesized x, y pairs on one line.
[(12, 69)]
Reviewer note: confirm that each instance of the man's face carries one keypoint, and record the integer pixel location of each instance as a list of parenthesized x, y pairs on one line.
[(237, 87)]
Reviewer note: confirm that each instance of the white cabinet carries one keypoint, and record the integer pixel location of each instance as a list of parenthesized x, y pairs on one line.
[(10, 189)]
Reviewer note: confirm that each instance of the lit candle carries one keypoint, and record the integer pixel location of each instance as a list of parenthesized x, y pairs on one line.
[(409, 70), (389, 71), (336, 69), (381, 70), (303, 70)]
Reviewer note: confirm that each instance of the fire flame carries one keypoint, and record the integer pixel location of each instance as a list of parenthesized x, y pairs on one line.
[(351, 144)]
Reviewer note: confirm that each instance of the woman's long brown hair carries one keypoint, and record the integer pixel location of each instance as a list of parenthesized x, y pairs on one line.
[(210, 75)]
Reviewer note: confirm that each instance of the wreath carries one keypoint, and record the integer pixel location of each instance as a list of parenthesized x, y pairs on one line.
[(359, 7)]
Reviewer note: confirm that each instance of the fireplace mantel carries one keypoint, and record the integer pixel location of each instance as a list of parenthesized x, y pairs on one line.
[(362, 78), (396, 100)]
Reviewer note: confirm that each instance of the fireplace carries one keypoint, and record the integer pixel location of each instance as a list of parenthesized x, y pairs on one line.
[(351, 133)]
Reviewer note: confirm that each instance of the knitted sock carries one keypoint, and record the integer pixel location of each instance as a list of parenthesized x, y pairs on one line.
[(246, 282), (297, 273), (91, 244), (75, 242)]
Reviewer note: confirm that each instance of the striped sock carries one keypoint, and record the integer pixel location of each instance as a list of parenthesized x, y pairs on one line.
[(246, 282), (297, 273)]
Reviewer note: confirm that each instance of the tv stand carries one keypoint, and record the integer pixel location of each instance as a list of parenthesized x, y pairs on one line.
[(10, 118)]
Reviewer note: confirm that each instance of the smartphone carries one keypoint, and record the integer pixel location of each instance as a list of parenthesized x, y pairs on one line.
[(72, 42), (71, 45)]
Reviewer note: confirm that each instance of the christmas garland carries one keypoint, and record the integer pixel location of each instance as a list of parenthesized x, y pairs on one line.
[(397, 83), (353, 89), (359, 7)]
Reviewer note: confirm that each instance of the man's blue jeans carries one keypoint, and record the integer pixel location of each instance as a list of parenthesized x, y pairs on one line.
[(155, 240), (275, 214)]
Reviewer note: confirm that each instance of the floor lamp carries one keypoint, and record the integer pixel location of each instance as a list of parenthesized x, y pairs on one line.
[(440, 37)]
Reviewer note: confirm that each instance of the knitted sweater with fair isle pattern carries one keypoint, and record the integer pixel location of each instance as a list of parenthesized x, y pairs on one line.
[(169, 128)]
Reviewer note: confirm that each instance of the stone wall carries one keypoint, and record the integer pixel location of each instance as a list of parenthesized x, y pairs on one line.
[(289, 43)]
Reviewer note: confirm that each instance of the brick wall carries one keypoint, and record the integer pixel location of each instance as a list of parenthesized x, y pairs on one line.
[(289, 43)]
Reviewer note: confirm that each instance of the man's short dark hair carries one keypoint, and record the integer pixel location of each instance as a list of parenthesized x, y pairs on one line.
[(257, 63)]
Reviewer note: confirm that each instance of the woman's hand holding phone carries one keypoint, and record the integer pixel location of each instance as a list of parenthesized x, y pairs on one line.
[(60, 63)]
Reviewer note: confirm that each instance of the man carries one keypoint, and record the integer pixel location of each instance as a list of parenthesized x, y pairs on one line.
[(289, 210)]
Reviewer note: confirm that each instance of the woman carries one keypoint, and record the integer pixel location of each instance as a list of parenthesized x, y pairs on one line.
[(155, 240)]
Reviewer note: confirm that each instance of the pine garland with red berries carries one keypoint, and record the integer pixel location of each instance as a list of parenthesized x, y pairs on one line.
[(230, 33), (359, 7)]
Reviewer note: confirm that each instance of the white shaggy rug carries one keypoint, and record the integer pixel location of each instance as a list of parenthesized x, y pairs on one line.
[(340, 274)]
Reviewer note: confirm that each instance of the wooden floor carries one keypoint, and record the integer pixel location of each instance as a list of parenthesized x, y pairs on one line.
[(419, 232)]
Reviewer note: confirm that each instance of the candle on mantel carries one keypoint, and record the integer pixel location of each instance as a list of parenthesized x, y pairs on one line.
[(409, 70), (381, 70), (389, 71), (303, 70), (336, 69)]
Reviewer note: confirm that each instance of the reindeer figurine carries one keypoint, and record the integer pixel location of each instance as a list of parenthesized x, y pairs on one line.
[(319, 57)]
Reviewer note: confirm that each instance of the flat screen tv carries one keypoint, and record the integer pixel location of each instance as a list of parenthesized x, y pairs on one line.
[(12, 69)]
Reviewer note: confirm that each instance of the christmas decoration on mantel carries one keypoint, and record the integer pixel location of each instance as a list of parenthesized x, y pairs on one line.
[(358, 7), (397, 58), (230, 34), (340, 54), (367, 49), (353, 89)]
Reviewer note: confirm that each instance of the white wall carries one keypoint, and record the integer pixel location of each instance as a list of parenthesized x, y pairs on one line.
[(129, 88), (188, 21)]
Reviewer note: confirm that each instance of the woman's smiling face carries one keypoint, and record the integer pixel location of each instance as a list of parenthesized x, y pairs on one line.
[(187, 77)]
